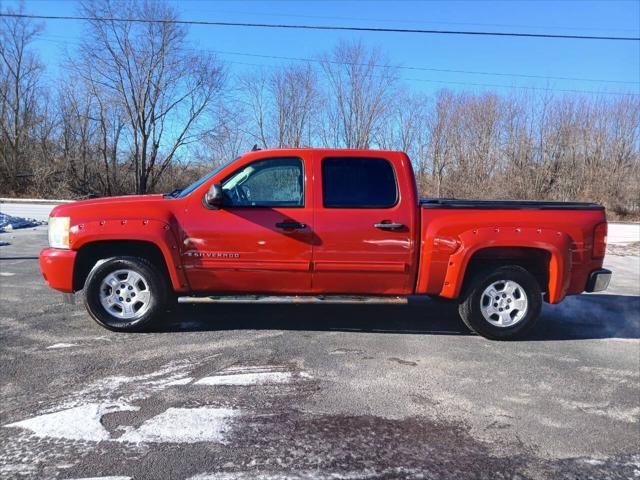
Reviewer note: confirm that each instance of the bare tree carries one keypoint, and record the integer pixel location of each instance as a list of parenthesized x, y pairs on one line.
[(228, 139), (280, 105), (20, 100), (294, 90), (360, 88), (440, 145), (405, 128), (254, 97), (164, 88)]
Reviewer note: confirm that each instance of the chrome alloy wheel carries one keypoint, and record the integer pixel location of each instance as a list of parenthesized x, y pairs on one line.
[(125, 294), (504, 303)]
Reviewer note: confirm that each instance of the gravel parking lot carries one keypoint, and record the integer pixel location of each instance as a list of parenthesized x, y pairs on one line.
[(315, 391)]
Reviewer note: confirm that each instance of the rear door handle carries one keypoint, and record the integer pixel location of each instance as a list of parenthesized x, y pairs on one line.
[(389, 226), (291, 225)]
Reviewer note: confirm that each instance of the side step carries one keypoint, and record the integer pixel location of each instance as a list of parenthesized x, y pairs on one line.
[(348, 299)]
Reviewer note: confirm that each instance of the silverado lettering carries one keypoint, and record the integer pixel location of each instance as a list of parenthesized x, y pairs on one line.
[(212, 254)]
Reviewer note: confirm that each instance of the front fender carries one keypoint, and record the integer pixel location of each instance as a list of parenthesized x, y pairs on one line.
[(157, 232), (557, 243)]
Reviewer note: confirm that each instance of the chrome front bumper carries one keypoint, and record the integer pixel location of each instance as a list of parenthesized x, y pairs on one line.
[(599, 280)]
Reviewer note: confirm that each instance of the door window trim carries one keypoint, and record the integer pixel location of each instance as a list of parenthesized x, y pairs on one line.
[(286, 157), (360, 207)]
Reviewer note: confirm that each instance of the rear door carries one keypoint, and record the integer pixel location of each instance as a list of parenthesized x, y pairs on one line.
[(364, 226)]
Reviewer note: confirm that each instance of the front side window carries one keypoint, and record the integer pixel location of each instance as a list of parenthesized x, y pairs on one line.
[(275, 182), (356, 182)]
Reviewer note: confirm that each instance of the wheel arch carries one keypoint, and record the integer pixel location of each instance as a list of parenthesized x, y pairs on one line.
[(91, 253), (534, 260), (546, 254)]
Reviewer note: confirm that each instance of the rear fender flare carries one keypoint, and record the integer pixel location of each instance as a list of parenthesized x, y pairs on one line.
[(557, 243)]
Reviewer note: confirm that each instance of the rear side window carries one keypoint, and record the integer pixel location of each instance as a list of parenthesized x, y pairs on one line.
[(356, 182)]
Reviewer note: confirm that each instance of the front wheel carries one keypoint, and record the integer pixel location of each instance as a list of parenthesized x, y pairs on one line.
[(501, 304), (125, 293)]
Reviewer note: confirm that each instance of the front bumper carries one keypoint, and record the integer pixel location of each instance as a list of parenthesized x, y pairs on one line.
[(57, 268), (598, 280)]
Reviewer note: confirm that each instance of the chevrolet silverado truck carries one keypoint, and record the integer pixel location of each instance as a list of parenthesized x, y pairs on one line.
[(323, 225)]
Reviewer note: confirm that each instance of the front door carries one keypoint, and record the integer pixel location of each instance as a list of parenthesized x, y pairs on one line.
[(364, 228), (260, 240)]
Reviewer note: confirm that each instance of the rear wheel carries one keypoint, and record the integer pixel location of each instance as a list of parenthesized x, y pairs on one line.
[(501, 304), (125, 293)]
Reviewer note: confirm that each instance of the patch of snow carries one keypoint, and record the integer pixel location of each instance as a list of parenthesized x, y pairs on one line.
[(102, 478), (183, 425), (77, 423), (61, 345), (623, 233), (247, 379), (311, 475), (15, 469), (180, 381), (254, 375), (179, 425), (9, 223), (118, 388)]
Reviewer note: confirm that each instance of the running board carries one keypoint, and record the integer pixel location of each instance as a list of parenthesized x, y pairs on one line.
[(333, 299)]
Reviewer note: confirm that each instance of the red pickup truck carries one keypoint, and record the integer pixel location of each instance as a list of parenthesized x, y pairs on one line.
[(323, 225)]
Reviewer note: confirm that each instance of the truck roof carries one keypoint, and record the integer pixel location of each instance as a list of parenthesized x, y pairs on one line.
[(330, 151)]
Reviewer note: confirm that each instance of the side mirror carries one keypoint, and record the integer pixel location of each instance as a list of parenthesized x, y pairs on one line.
[(214, 197)]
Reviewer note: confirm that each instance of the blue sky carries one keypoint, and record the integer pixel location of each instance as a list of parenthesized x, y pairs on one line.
[(576, 59)]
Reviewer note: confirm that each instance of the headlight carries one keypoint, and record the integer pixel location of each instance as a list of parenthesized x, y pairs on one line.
[(59, 232)]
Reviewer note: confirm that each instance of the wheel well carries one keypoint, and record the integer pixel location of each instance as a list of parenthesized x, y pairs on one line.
[(91, 253), (534, 260)]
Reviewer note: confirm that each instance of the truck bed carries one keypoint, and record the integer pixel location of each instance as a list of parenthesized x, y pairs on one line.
[(454, 203)]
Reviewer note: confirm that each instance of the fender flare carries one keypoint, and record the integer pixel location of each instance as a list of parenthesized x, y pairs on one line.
[(156, 232), (556, 243)]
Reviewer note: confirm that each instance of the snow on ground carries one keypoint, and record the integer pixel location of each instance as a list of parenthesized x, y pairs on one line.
[(102, 478), (256, 375), (174, 425), (61, 345), (623, 233), (183, 425), (9, 222), (77, 423), (36, 211)]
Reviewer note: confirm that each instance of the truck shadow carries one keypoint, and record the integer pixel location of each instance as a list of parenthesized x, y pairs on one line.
[(582, 317)]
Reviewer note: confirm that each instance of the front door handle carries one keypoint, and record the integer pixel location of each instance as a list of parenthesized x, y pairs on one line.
[(389, 226), (291, 225)]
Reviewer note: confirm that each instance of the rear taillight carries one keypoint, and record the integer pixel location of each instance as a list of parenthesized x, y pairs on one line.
[(599, 240)]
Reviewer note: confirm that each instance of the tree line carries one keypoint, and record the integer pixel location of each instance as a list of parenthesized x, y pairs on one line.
[(139, 109)]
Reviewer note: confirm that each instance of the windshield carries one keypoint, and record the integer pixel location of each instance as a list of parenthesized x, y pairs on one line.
[(203, 180)]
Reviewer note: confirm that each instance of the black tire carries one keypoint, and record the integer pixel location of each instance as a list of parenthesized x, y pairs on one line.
[(155, 280), (470, 307)]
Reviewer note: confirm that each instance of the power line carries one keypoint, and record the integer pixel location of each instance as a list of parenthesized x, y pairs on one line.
[(322, 27), (400, 67), (423, 80), (494, 85), (420, 22), (429, 69)]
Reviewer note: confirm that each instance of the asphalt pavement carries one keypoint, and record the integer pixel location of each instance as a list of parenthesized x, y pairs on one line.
[(315, 391)]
